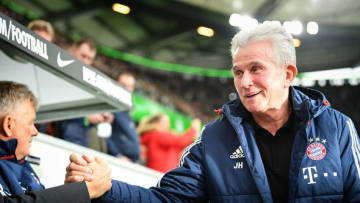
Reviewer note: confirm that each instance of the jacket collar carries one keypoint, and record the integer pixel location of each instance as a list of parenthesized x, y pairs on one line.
[(7, 149), (306, 103)]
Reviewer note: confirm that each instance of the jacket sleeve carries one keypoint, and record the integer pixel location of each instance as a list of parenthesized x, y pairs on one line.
[(350, 160), (72, 192), (183, 184)]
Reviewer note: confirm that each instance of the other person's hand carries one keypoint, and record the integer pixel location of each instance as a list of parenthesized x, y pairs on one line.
[(95, 118), (101, 178), (94, 171)]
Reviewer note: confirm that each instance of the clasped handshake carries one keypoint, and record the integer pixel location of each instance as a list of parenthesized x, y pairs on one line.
[(93, 170)]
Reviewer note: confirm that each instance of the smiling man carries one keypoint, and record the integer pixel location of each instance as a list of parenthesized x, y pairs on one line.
[(276, 143), (17, 117)]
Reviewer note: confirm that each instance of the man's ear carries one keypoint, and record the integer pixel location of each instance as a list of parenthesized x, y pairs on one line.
[(291, 72), (8, 125)]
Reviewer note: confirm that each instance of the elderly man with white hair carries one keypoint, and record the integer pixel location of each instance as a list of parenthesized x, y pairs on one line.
[(276, 143)]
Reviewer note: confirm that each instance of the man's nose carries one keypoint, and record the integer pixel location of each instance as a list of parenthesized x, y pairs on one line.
[(34, 132), (246, 80)]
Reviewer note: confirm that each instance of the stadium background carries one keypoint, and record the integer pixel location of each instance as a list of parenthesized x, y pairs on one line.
[(186, 74)]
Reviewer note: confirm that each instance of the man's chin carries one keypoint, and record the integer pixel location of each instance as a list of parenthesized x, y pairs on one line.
[(252, 107), (251, 110)]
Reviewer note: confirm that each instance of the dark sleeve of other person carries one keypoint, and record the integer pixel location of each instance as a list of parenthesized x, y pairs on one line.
[(72, 192)]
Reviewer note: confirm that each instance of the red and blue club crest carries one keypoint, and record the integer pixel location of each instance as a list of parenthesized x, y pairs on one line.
[(316, 151)]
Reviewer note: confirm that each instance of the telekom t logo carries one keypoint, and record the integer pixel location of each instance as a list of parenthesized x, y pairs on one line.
[(310, 173)]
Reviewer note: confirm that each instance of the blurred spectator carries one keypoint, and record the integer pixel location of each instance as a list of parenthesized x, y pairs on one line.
[(124, 142), (42, 28), (84, 50), (162, 147), (78, 130), (46, 31)]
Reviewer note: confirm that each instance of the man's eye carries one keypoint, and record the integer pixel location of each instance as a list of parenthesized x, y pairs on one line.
[(238, 72), (256, 69)]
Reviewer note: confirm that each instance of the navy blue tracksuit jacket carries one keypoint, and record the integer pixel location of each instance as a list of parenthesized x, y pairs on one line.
[(225, 165)]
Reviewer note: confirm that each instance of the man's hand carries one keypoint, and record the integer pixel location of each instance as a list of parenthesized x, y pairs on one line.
[(101, 118), (108, 117), (78, 169), (94, 171), (101, 178), (95, 118)]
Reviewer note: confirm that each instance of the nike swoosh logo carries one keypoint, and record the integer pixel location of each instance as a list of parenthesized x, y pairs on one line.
[(62, 63)]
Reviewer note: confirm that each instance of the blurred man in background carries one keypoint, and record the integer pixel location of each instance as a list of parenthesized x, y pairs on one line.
[(84, 50), (77, 130), (124, 142), (46, 31), (42, 28)]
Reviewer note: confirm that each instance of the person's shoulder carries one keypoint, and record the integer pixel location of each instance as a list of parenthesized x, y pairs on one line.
[(334, 118), (216, 128), (214, 123), (334, 113)]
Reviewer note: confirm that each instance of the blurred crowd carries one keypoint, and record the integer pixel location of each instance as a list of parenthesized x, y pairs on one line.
[(189, 94), (115, 133)]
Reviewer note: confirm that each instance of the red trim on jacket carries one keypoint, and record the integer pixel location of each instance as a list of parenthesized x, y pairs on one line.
[(7, 157), (218, 111)]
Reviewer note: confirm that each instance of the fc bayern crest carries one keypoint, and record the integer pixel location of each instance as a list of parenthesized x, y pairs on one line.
[(316, 151)]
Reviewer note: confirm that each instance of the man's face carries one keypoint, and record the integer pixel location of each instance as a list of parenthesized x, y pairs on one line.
[(44, 34), (128, 81), (85, 54), (258, 80), (24, 128)]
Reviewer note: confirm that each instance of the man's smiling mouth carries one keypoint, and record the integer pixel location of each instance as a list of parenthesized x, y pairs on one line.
[(250, 95)]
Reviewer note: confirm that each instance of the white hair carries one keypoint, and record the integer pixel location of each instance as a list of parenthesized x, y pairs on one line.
[(283, 46), (13, 93)]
